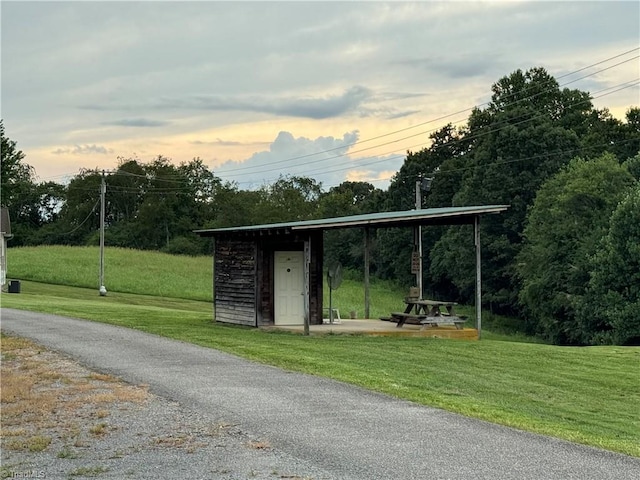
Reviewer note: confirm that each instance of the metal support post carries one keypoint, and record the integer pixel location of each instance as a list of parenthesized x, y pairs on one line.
[(419, 207), (103, 190), (476, 236), (307, 287), (367, 247)]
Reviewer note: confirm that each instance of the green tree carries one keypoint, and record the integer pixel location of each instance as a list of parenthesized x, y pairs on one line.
[(34, 208), (175, 201), (604, 133), (290, 198), (18, 191), (79, 217), (165, 208), (347, 245), (610, 310), (564, 226), (125, 190), (525, 135), (16, 177), (234, 207), (156, 205), (441, 161), (633, 165)]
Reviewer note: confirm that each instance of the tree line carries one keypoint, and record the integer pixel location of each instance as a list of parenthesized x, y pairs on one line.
[(565, 257)]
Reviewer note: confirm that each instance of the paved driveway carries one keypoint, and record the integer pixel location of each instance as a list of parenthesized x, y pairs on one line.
[(342, 430)]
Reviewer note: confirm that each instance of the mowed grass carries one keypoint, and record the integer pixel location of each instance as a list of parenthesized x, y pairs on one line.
[(587, 395), (128, 271), (190, 278)]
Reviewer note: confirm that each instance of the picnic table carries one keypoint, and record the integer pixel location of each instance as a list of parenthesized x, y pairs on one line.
[(428, 313)]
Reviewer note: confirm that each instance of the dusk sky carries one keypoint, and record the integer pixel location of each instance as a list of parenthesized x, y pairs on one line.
[(331, 90)]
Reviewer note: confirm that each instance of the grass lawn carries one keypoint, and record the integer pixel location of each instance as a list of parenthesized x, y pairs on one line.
[(190, 278), (587, 395), (126, 270)]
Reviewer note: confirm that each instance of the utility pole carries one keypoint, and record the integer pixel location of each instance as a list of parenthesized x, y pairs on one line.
[(422, 184), (419, 207), (103, 190)]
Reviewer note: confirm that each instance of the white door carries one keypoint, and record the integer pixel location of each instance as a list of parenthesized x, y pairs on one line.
[(288, 289)]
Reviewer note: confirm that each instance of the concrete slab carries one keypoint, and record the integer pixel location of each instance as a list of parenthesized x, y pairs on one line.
[(377, 327)]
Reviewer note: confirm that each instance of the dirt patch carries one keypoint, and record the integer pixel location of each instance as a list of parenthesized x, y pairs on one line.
[(47, 397), (62, 420)]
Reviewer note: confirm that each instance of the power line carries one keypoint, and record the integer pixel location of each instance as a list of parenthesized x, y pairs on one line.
[(438, 119), (552, 80), (526, 119), (522, 120), (420, 133), (517, 160), (93, 209), (423, 123)]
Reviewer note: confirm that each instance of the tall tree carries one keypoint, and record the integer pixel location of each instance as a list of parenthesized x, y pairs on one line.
[(564, 227), (524, 136), (443, 161), (17, 190), (610, 310), (15, 175), (126, 187), (233, 207), (80, 214), (165, 208), (349, 198), (290, 198), (604, 133)]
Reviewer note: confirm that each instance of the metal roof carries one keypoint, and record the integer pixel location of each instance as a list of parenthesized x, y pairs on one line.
[(427, 216)]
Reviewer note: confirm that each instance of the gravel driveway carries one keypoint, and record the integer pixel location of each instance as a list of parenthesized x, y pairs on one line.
[(288, 425)]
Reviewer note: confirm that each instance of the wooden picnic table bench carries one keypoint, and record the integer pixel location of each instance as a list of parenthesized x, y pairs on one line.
[(430, 307), (428, 313), (458, 322), (402, 317)]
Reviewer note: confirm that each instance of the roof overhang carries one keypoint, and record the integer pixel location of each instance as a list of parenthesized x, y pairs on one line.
[(427, 216)]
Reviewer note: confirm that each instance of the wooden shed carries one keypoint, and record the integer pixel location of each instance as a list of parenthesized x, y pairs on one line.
[(267, 276), (273, 274)]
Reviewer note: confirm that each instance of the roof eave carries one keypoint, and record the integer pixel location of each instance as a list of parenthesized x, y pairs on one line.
[(405, 218)]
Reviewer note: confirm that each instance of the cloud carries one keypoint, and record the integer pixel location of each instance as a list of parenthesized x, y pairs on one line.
[(325, 159), (236, 67), (138, 122), (402, 114), (287, 155), (83, 150), (458, 67), (314, 107), (227, 143), (317, 107)]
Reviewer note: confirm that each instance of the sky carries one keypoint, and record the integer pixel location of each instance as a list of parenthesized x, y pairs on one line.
[(331, 90)]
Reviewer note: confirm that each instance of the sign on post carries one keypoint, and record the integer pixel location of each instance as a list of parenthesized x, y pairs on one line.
[(415, 262)]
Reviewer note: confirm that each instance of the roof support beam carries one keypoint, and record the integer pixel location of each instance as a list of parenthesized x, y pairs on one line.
[(307, 284), (367, 248), (476, 238)]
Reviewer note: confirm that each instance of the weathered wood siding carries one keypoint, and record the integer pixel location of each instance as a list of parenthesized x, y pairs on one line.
[(235, 281), (265, 286), (316, 280)]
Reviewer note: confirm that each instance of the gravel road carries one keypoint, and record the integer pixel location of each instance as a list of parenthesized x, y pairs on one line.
[(309, 427)]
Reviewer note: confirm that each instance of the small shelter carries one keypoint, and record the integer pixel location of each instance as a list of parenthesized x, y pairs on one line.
[(5, 234), (273, 274)]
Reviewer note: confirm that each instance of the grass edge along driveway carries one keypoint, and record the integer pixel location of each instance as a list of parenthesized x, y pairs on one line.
[(585, 395)]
